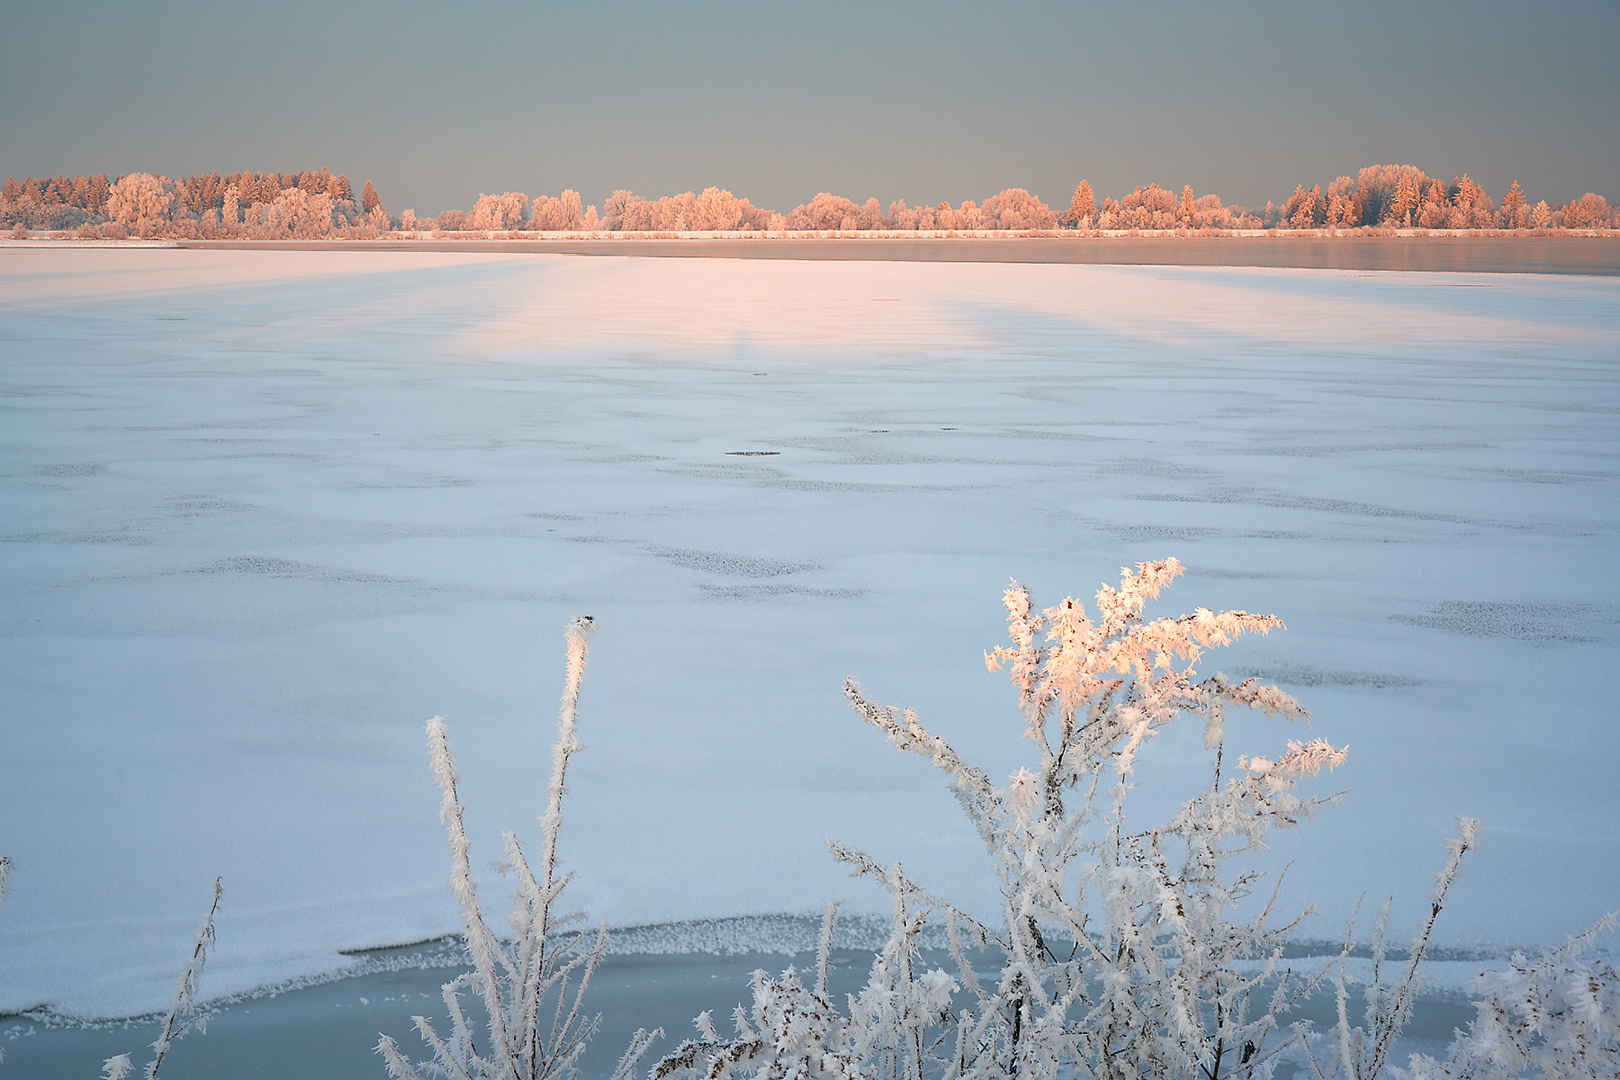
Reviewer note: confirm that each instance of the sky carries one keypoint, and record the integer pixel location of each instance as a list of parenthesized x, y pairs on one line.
[(944, 100)]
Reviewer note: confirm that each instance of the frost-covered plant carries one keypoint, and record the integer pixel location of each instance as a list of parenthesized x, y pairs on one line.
[(532, 987), (1362, 1053), (1558, 1016), (185, 1013), (1123, 952), (5, 882), (1120, 948)]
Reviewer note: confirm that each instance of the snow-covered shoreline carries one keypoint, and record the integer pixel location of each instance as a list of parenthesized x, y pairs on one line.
[(1441, 251), (269, 511)]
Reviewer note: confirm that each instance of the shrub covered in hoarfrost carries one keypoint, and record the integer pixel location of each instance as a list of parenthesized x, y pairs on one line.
[(1128, 953)]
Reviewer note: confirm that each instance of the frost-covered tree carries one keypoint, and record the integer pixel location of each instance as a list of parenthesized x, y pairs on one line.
[(1015, 209), (140, 200), (1082, 206), (1305, 209), (1590, 211), (1471, 207), (717, 210), (498, 213), (1514, 210), (557, 214), (1151, 207), (230, 214), (294, 214), (369, 199), (823, 213)]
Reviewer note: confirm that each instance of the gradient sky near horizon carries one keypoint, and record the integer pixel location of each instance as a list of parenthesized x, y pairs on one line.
[(944, 100)]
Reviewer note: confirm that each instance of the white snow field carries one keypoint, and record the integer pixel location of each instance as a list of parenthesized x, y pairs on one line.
[(262, 514)]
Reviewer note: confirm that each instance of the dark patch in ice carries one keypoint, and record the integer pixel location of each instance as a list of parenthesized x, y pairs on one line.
[(729, 565), (1335, 449), (1153, 467), (1286, 501), (1357, 509), (72, 468), (425, 483), (1307, 675), (1538, 623), (854, 488), (132, 539), (1547, 476), (1571, 406), (203, 505), (1134, 533), (731, 470), (769, 592), (753, 453), (1063, 436), (287, 568)]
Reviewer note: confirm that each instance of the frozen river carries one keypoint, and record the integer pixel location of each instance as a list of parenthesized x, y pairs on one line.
[(263, 513)]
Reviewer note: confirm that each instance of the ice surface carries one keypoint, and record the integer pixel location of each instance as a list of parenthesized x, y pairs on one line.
[(261, 514)]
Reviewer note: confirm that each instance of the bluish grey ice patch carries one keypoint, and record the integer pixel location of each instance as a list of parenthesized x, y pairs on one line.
[(727, 564), (1531, 621), (72, 468)]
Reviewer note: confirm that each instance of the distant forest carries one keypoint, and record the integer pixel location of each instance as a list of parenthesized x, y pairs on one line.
[(322, 204)]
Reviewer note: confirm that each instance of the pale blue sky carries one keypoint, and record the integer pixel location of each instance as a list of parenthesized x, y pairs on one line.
[(777, 101)]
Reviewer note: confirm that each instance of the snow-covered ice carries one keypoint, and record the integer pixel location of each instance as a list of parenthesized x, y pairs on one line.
[(261, 514)]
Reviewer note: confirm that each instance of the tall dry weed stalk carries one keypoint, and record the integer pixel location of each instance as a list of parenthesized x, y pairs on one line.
[(531, 988)]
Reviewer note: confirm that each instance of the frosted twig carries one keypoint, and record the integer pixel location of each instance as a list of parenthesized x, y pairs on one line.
[(184, 1013)]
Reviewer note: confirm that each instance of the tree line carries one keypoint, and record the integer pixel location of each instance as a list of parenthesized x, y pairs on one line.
[(313, 203), (320, 203)]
